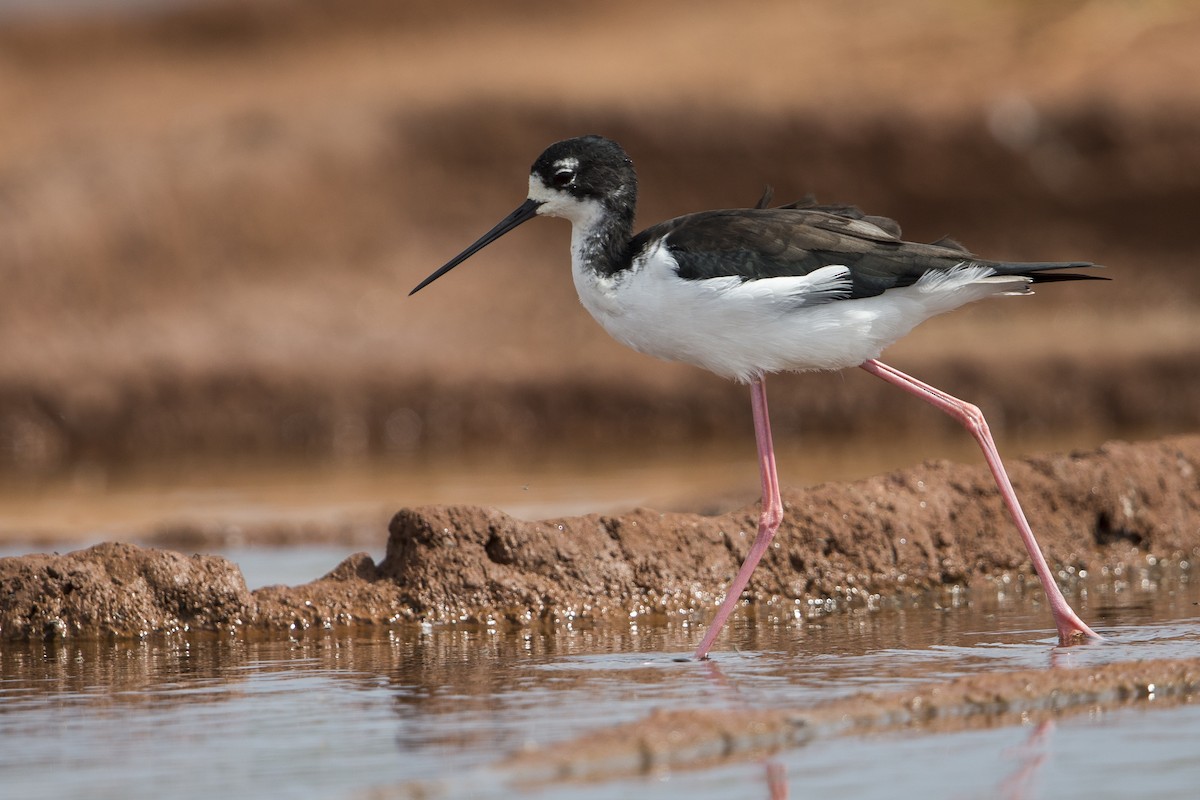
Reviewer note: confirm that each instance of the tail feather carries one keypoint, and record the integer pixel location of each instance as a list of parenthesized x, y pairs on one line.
[(1041, 272), (1051, 277)]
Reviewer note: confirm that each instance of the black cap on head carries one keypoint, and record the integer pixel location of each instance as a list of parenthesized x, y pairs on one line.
[(587, 167)]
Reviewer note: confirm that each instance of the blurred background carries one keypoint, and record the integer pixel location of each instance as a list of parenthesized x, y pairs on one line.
[(211, 213)]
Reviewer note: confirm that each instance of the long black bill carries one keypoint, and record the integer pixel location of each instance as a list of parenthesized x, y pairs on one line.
[(525, 211)]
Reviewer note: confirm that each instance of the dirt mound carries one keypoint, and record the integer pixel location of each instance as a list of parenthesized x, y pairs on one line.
[(930, 527), (119, 590)]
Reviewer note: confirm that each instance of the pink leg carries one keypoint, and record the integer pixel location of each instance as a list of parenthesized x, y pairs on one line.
[(1070, 627), (768, 520)]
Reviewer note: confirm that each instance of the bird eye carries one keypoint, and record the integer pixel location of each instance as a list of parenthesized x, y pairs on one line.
[(563, 178)]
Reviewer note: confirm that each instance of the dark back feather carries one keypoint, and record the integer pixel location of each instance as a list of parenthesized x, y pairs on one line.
[(789, 241)]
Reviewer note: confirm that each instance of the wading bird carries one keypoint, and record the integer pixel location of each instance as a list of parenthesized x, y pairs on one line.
[(750, 291)]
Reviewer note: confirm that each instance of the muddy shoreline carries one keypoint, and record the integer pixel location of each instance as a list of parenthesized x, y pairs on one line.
[(170, 418), (935, 527), (692, 739)]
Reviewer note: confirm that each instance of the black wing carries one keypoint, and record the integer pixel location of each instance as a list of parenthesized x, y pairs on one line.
[(779, 242), (802, 237)]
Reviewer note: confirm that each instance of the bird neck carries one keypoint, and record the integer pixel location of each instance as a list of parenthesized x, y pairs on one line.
[(600, 238)]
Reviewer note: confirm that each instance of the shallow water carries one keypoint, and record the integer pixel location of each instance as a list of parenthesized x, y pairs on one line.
[(335, 715), (1122, 754), (342, 713)]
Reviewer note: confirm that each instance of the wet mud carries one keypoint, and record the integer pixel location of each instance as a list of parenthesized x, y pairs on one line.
[(934, 527), (119, 590), (701, 738)]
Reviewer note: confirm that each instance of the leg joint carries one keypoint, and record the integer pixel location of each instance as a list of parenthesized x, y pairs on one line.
[(973, 418), (771, 517)]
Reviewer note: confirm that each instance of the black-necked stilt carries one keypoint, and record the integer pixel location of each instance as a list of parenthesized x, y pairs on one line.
[(744, 292)]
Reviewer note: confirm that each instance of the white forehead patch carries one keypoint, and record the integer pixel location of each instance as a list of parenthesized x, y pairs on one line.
[(537, 189), (557, 203)]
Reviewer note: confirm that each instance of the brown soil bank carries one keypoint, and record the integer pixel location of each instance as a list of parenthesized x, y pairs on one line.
[(920, 529), (209, 217)]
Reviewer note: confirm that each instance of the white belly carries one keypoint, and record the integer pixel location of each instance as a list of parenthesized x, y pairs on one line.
[(740, 330)]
